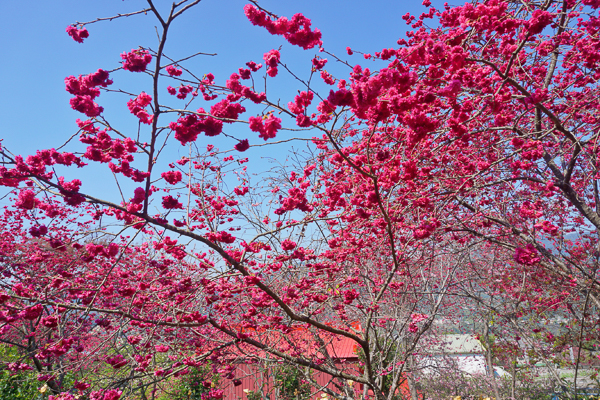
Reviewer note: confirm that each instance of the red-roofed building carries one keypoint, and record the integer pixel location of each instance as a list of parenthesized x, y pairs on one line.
[(256, 371)]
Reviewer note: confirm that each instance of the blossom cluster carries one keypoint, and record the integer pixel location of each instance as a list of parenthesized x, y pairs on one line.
[(173, 71), (188, 127), (272, 59), (183, 91), (103, 148), (85, 89), (137, 107), (527, 255), (267, 127), (136, 60), (296, 31), (233, 84), (77, 34)]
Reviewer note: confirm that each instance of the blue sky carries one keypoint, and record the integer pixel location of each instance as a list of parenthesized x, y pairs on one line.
[(38, 54)]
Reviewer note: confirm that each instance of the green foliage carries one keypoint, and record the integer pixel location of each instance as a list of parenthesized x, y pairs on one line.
[(22, 386), (17, 386), (190, 386), (289, 380), (252, 395), (383, 360)]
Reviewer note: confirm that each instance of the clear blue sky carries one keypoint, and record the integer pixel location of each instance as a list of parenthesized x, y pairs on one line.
[(38, 54)]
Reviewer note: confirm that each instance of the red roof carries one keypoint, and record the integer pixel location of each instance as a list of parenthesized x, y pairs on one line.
[(255, 375), (299, 342)]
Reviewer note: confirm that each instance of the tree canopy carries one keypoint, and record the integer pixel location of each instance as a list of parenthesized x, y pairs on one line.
[(451, 178)]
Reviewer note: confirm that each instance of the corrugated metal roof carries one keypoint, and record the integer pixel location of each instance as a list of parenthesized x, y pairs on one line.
[(298, 342), (258, 379)]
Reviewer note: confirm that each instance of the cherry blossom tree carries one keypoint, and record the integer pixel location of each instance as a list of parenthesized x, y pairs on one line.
[(467, 154)]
